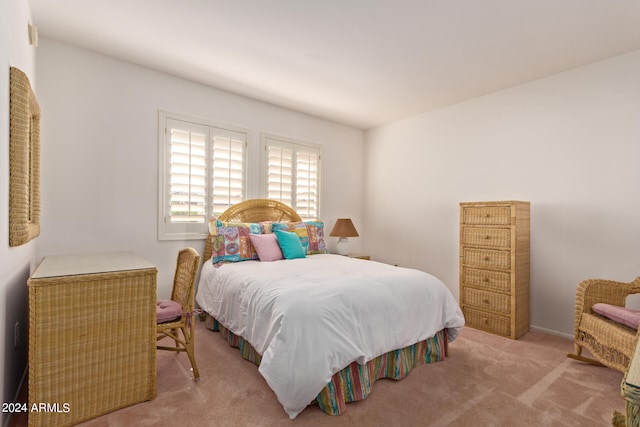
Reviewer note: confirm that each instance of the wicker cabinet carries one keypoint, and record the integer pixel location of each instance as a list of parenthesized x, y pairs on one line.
[(494, 266), (92, 343)]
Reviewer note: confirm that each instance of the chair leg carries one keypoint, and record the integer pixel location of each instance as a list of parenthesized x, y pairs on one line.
[(578, 355), (176, 333), (190, 349)]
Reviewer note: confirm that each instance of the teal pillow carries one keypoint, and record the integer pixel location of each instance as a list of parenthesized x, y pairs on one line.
[(290, 245)]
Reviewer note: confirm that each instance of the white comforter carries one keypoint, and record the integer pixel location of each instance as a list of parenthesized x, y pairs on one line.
[(309, 318)]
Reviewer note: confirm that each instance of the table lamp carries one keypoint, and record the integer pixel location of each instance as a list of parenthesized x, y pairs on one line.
[(343, 229)]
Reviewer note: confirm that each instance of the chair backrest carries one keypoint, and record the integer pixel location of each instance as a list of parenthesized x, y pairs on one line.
[(185, 277)]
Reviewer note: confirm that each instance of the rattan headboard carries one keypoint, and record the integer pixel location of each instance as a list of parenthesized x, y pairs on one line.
[(254, 210)]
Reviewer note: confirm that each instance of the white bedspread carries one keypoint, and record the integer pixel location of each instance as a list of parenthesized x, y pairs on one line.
[(309, 318)]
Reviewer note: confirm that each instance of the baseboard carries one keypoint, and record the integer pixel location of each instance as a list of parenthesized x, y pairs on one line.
[(552, 332), (7, 423)]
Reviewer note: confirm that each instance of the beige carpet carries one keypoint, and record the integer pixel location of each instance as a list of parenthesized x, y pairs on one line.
[(485, 381)]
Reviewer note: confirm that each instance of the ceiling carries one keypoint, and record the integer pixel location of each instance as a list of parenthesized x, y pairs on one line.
[(359, 62)]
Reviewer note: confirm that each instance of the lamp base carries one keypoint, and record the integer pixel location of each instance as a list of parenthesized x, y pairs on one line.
[(342, 247)]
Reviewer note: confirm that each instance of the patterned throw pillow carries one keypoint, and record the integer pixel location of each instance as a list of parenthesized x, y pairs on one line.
[(310, 233), (315, 231), (231, 243)]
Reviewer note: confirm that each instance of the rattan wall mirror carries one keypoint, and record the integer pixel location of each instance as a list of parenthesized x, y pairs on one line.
[(24, 160)]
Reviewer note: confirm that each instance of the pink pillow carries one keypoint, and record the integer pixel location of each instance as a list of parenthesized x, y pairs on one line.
[(266, 245), (167, 310), (623, 315)]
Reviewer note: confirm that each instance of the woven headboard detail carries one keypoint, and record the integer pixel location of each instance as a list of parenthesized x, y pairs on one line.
[(254, 210)]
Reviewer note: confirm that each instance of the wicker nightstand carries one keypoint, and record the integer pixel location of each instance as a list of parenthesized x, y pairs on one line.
[(92, 346)]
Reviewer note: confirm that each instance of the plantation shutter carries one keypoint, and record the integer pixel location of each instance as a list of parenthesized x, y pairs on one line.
[(280, 172), (293, 175), (202, 173), (187, 173), (307, 180), (228, 169)]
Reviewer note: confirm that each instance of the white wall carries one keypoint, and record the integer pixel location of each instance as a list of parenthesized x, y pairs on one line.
[(100, 152), (569, 143), (16, 263)]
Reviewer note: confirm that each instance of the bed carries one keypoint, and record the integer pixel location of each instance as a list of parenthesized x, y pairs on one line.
[(320, 327)]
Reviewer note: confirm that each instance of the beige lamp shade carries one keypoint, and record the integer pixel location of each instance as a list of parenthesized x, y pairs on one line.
[(343, 228)]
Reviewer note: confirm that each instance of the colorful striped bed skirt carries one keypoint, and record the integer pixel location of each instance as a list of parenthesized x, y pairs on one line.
[(355, 381)]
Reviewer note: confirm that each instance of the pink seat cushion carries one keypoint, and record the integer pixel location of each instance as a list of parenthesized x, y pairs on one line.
[(167, 310), (623, 315)]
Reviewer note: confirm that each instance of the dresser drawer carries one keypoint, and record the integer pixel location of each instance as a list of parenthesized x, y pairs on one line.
[(490, 280), (498, 238), (486, 215), (489, 322), (487, 300), (485, 258)]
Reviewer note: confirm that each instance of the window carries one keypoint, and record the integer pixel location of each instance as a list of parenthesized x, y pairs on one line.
[(202, 173), (293, 174)]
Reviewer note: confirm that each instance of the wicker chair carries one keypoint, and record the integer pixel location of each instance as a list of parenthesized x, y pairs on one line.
[(183, 293), (610, 343)]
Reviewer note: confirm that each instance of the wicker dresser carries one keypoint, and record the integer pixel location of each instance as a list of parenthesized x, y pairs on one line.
[(494, 266), (92, 343)]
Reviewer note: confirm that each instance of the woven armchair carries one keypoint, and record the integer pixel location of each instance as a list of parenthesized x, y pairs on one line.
[(181, 329), (610, 343)]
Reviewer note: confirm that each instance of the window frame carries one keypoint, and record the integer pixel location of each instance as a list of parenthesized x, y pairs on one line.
[(298, 146), (190, 231)]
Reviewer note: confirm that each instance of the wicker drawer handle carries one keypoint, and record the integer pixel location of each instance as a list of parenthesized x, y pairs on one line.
[(486, 280), (486, 300), (486, 258), (487, 237), (485, 320)]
